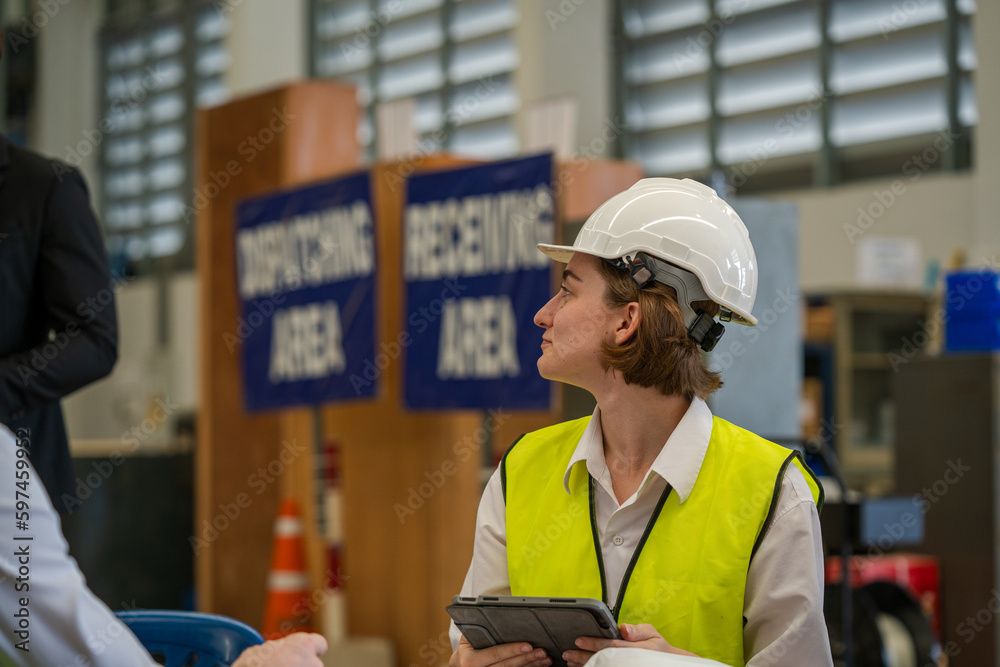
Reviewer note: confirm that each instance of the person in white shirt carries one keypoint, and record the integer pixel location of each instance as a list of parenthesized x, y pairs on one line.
[(48, 616), (703, 538)]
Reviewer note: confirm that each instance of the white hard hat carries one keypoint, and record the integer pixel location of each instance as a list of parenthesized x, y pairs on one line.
[(703, 245)]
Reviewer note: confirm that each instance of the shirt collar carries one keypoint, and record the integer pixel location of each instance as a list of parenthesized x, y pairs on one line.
[(678, 462)]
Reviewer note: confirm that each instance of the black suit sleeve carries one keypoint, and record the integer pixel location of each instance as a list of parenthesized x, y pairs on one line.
[(74, 283)]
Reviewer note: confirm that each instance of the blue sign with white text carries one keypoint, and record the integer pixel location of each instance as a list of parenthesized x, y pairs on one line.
[(305, 262), (474, 281)]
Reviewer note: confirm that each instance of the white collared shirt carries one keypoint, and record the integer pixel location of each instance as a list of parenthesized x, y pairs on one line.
[(783, 604), (67, 625)]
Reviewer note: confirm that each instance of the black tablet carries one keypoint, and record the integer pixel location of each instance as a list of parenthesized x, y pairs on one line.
[(553, 624)]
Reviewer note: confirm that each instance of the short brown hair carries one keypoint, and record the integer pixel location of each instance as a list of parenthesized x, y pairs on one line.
[(660, 354)]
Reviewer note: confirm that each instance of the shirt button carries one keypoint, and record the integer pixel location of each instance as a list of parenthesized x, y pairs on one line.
[(618, 540)]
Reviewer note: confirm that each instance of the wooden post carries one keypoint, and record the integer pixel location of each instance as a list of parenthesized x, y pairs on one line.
[(287, 136)]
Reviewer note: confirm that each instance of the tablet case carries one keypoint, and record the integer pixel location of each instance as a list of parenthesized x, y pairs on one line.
[(553, 624)]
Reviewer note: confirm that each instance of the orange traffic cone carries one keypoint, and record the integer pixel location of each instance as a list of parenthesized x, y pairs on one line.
[(288, 609)]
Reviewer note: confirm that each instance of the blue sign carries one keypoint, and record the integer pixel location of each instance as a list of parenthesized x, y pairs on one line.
[(474, 281), (305, 262)]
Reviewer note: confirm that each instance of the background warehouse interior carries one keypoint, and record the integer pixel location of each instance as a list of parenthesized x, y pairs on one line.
[(874, 118)]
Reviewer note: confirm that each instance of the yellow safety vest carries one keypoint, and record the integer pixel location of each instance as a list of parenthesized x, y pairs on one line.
[(688, 574)]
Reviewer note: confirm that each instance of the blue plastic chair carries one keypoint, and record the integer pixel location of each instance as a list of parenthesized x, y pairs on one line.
[(183, 638)]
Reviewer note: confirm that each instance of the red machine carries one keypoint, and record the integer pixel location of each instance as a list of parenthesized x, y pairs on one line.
[(897, 604)]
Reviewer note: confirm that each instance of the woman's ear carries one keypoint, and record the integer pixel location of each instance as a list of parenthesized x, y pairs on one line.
[(627, 322)]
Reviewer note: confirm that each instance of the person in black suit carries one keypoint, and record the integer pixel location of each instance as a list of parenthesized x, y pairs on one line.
[(58, 326)]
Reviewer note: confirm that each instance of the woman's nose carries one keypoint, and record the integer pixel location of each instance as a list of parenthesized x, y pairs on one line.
[(543, 316)]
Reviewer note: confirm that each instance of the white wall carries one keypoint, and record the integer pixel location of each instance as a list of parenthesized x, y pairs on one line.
[(268, 48), (987, 136), (936, 209), (268, 43), (147, 374), (944, 211), (66, 111), (565, 50)]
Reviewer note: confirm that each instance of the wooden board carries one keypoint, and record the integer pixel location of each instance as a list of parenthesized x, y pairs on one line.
[(410, 485), (411, 480), (583, 185)]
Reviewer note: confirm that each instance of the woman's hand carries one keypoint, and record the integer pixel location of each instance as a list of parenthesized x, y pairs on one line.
[(633, 636), (501, 655)]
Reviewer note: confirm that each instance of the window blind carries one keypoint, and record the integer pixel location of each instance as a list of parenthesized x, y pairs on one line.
[(155, 72), (456, 58), (757, 86)]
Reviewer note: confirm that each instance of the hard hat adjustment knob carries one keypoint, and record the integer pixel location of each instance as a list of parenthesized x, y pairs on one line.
[(706, 331)]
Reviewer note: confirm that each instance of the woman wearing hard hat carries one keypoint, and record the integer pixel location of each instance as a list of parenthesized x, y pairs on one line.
[(702, 537)]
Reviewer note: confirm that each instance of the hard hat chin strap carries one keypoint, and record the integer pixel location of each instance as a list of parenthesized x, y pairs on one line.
[(700, 325)]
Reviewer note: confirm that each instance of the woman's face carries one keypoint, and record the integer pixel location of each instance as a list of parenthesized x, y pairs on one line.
[(576, 321)]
